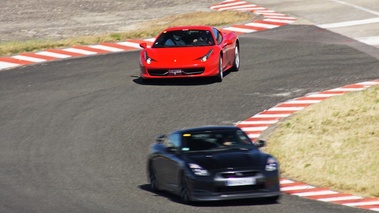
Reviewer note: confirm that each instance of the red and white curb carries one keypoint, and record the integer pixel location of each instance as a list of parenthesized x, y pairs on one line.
[(255, 125), (271, 20)]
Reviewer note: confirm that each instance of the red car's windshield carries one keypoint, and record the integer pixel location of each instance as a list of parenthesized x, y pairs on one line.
[(184, 38)]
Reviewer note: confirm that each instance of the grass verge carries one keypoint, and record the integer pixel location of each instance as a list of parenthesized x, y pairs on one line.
[(147, 30), (338, 147)]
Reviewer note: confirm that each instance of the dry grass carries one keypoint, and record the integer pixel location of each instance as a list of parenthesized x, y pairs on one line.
[(338, 147), (147, 30)]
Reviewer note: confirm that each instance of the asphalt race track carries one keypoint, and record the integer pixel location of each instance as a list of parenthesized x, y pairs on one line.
[(75, 133)]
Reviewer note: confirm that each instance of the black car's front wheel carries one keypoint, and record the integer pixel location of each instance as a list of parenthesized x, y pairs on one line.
[(153, 180), (184, 191), (273, 199)]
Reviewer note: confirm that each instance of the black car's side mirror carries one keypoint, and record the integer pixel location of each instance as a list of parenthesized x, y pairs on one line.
[(160, 138), (171, 149), (260, 143)]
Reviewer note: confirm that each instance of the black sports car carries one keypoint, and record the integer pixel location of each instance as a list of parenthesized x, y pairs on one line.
[(212, 163)]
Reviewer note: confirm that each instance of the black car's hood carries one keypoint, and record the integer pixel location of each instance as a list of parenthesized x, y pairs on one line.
[(232, 159)]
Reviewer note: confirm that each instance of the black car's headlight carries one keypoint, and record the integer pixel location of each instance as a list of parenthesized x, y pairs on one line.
[(198, 170), (271, 164), (205, 57)]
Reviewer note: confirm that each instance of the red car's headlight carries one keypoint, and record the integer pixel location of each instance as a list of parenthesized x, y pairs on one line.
[(205, 57), (147, 58)]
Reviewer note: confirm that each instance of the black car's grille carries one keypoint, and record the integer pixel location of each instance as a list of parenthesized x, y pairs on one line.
[(165, 72), (224, 176), (239, 174), (231, 189)]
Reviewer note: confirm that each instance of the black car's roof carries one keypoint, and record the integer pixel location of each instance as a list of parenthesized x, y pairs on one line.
[(208, 128)]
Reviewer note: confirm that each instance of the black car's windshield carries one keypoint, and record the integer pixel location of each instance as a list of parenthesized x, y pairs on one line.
[(184, 38), (216, 140)]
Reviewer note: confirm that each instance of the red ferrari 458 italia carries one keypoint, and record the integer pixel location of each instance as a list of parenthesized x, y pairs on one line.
[(190, 51)]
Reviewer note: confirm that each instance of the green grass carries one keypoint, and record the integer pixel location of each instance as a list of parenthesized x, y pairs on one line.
[(338, 148)]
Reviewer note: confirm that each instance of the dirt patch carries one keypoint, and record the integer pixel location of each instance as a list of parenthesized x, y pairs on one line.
[(56, 19)]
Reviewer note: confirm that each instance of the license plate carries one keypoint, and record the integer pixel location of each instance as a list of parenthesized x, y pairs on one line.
[(240, 181), (174, 72)]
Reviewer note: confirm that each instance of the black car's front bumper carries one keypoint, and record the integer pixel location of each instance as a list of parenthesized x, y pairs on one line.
[(209, 189)]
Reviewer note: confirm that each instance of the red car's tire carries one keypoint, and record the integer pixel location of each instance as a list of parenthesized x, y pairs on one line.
[(236, 63), (220, 74)]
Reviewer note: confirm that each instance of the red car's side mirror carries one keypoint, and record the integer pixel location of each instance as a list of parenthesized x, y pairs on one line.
[(143, 45), (228, 42)]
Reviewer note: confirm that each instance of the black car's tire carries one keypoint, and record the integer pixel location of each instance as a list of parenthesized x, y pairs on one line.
[(273, 199), (220, 75), (153, 181), (185, 196), (236, 63)]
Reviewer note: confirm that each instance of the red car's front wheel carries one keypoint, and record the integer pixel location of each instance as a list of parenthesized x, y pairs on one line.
[(236, 64), (220, 74)]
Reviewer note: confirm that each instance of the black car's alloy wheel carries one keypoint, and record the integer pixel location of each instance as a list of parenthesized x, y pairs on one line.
[(184, 192), (153, 180)]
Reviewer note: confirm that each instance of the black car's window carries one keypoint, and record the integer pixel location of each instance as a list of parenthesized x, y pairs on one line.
[(218, 35), (172, 140), (184, 38), (214, 140)]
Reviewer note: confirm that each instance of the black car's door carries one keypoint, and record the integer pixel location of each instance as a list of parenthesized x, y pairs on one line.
[(171, 162)]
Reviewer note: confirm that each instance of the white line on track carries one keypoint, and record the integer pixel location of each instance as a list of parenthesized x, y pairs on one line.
[(242, 30), (349, 23), (252, 129), (51, 54), (228, 5), (358, 7), (291, 188), (285, 181), (258, 122), (371, 40), (271, 115), (80, 51), (130, 44), (306, 194), (106, 48), (28, 58), (268, 26), (338, 198), (362, 203), (5, 65)]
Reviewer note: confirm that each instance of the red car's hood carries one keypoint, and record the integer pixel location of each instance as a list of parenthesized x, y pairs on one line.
[(179, 55)]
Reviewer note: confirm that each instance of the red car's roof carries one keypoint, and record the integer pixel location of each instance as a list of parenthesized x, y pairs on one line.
[(200, 27)]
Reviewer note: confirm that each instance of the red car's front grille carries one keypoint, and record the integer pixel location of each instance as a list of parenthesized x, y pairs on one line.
[(165, 72)]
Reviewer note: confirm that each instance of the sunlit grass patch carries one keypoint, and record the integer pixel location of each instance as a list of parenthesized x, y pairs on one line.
[(333, 143)]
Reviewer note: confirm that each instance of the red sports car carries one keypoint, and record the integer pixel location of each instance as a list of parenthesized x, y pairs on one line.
[(190, 51)]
